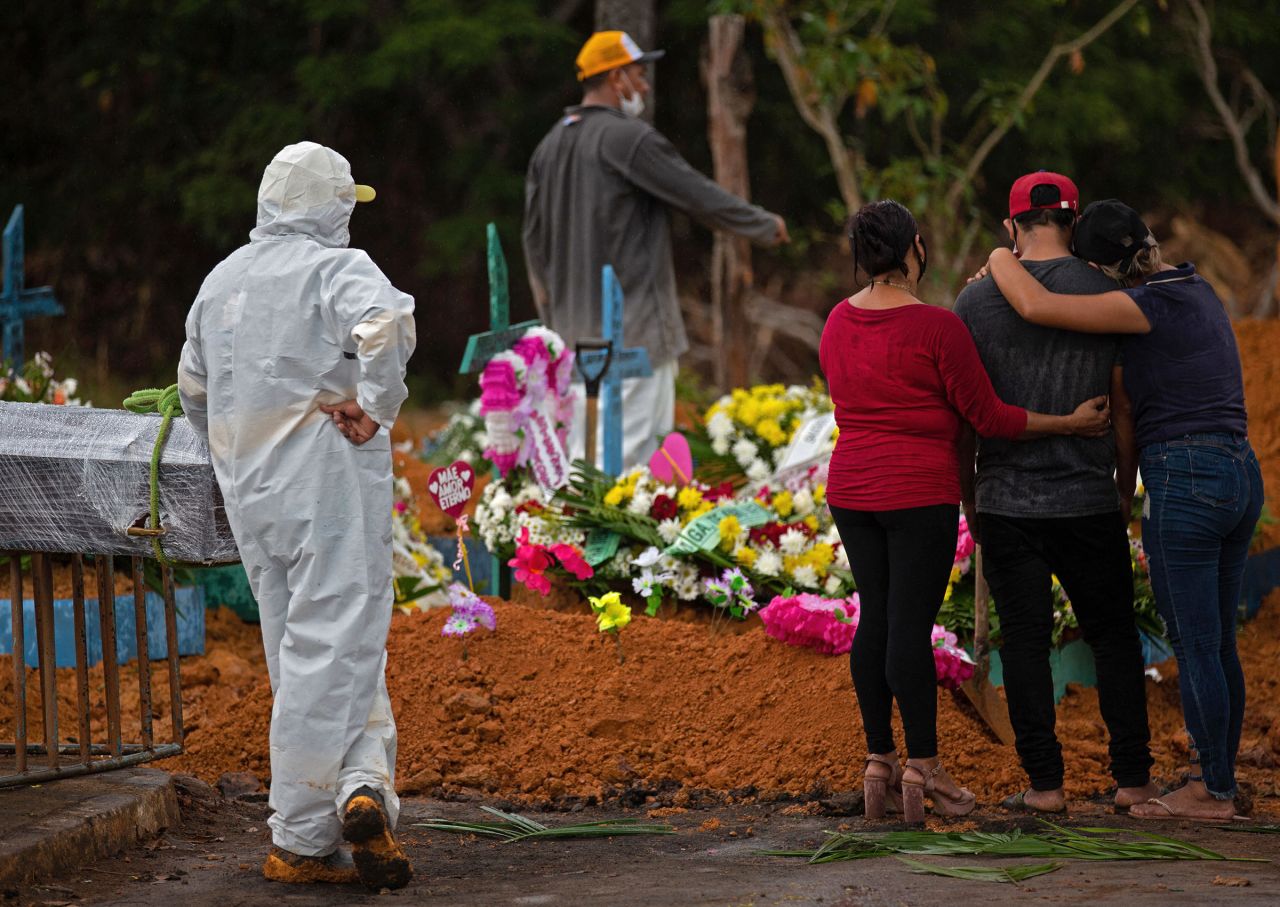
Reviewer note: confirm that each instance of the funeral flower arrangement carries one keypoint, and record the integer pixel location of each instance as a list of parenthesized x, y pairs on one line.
[(525, 392), (34, 382), (755, 425)]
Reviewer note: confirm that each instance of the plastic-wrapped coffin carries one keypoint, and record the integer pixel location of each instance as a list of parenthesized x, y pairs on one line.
[(74, 479)]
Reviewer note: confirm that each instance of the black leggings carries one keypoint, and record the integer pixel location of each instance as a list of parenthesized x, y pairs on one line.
[(901, 561)]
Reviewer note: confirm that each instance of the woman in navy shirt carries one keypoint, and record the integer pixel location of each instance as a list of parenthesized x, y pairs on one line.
[(1203, 485)]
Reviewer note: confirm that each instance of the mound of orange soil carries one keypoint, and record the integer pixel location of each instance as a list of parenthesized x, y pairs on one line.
[(542, 709)]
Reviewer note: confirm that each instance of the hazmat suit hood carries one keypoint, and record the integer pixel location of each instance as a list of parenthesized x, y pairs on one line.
[(306, 190)]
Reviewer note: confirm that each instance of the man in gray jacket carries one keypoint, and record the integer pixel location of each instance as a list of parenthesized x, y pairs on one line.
[(597, 193)]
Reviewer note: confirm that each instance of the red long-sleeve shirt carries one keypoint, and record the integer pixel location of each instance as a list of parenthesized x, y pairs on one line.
[(903, 380)]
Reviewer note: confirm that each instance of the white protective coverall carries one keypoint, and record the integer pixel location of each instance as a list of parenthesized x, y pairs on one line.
[(293, 320)]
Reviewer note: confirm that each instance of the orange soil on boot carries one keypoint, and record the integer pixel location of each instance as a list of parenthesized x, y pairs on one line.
[(283, 866), (379, 859)]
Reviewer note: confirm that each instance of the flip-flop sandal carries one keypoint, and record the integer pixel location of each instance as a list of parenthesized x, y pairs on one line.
[(1172, 816), (1017, 803)]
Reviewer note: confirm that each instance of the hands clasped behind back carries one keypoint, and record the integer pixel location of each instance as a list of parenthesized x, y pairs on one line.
[(351, 420)]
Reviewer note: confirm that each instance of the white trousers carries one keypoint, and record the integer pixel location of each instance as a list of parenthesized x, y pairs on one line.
[(325, 614), (648, 415)]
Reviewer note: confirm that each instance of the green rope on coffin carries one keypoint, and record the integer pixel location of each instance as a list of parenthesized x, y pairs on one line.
[(166, 402)]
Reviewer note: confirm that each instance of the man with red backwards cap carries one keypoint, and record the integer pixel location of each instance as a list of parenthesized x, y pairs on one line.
[(1051, 508), (597, 193)]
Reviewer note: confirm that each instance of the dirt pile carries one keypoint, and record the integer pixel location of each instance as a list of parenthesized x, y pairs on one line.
[(1260, 355), (542, 710)]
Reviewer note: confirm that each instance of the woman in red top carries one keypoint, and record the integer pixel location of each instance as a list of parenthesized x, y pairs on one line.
[(904, 376)]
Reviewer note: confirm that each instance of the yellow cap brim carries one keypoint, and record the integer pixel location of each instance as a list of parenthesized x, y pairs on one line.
[(365, 193)]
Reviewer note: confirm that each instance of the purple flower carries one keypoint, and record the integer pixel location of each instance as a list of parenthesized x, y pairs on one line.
[(458, 625)]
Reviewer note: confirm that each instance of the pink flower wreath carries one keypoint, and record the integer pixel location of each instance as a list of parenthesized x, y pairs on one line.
[(516, 382), (828, 625)]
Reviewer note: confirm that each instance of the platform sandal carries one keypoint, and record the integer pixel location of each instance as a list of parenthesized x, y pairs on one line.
[(881, 794), (919, 782)]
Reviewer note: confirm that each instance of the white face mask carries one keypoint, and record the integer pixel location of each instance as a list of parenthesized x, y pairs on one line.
[(634, 105)]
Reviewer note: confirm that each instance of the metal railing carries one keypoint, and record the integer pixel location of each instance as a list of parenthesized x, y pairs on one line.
[(92, 757)]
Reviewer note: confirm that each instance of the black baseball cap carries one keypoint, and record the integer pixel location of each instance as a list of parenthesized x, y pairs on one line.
[(1110, 232)]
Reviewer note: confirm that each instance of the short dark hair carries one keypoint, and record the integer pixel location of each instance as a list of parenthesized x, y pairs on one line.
[(879, 236), (1062, 218), (591, 83)]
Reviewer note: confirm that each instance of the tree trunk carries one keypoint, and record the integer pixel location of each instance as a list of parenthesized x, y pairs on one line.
[(731, 95), (637, 19)]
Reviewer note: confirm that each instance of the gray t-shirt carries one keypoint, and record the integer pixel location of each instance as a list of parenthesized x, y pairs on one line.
[(1049, 371)]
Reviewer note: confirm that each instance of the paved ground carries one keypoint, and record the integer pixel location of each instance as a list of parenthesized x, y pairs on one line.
[(213, 859)]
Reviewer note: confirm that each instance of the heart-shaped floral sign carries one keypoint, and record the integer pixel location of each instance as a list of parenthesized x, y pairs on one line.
[(672, 461), (451, 487)]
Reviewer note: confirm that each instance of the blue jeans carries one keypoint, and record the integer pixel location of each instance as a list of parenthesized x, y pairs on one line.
[(1204, 495)]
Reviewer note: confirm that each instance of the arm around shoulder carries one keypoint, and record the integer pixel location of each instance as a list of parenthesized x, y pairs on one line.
[(1102, 313)]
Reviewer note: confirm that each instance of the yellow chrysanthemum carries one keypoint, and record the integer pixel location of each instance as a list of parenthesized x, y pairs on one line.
[(955, 574), (704, 507), (689, 498), (729, 531), (771, 432), (744, 555), (821, 556), (614, 496), (783, 503), (819, 493), (812, 522)]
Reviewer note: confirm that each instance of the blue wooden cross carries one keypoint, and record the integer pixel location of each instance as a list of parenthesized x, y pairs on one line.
[(17, 303), (626, 363), (502, 334)]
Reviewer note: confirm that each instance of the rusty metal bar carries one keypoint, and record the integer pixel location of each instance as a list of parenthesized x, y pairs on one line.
[(93, 768), (144, 653), (42, 576), (71, 749), (19, 663), (82, 655), (171, 647), (110, 667)]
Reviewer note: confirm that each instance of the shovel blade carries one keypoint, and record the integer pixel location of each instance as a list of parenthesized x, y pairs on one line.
[(990, 707)]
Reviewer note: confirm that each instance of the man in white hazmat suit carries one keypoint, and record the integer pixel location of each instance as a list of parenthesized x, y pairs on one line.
[(293, 369)]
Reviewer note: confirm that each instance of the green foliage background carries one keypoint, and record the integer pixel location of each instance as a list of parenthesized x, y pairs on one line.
[(136, 131)]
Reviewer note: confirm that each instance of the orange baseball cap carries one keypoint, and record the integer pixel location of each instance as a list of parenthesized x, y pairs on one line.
[(606, 50)]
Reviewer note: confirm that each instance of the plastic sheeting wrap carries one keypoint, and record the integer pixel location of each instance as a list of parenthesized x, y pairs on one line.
[(74, 479)]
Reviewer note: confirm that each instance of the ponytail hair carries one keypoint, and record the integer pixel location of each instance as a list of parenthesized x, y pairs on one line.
[(880, 234)]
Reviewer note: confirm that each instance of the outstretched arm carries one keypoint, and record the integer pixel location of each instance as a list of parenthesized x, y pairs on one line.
[(1103, 313), (657, 168)]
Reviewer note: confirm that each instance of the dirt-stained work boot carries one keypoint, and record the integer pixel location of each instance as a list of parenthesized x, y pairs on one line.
[(283, 866), (378, 858)]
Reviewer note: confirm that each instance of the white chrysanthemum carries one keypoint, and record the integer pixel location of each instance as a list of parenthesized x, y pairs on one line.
[(793, 541), (745, 451), (669, 530), (805, 576), (640, 503), (720, 446), (832, 585), (842, 558), (669, 565), (687, 590), (780, 454), (769, 563), (758, 471), (720, 426), (802, 502)]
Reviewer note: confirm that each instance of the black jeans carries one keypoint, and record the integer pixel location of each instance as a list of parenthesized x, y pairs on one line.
[(901, 560), (1090, 555)]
